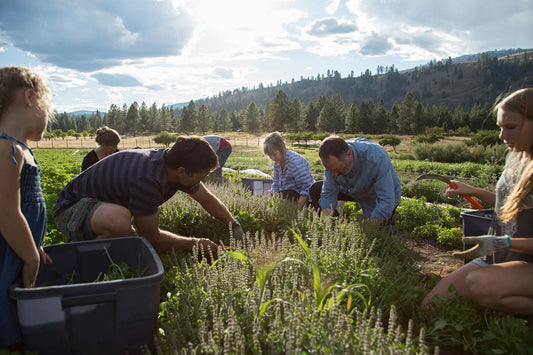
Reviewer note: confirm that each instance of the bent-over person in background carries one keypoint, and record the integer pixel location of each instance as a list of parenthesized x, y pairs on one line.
[(357, 170), (291, 174), (108, 140)]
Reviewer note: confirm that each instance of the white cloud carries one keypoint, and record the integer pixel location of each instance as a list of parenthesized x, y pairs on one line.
[(332, 7), (330, 26), (90, 35), (447, 27), (375, 45), (120, 80), (169, 51)]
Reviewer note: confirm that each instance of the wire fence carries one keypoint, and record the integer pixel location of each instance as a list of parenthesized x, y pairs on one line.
[(128, 142)]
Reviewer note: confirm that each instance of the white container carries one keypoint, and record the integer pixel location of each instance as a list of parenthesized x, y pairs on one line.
[(257, 186)]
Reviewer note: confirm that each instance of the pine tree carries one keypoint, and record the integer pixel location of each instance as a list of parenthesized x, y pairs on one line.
[(203, 123), (366, 117), (144, 121), (165, 118), (326, 119), (132, 119), (153, 118), (189, 115), (381, 122), (251, 118), (279, 111), (297, 122), (338, 107), (351, 119), (311, 117), (407, 114), (222, 123)]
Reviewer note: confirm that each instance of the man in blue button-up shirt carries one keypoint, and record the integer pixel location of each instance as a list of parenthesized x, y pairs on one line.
[(357, 170)]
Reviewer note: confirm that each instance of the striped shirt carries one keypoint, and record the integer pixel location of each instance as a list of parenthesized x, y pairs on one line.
[(296, 175), (135, 179)]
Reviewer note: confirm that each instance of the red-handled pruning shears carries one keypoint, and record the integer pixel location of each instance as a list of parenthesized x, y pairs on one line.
[(452, 185)]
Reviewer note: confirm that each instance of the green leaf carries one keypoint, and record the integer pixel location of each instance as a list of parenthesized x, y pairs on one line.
[(237, 255), (440, 324)]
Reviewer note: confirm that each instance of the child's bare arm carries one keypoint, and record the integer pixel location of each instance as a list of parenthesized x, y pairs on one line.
[(13, 224)]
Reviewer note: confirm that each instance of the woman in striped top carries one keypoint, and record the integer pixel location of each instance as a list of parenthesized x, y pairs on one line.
[(292, 177)]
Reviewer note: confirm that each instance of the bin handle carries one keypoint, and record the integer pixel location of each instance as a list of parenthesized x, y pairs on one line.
[(73, 301)]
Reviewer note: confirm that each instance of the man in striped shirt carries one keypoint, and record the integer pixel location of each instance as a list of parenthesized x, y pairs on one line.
[(101, 202)]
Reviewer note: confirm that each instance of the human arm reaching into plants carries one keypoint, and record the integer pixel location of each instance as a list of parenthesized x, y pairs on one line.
[(217, 209), (148, 227), (465, 189)]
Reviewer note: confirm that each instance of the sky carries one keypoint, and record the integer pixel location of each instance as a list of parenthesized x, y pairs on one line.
[(95, 53)]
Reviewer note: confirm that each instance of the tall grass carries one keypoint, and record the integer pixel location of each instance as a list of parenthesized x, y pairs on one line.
[(320, 288), (304, 284)]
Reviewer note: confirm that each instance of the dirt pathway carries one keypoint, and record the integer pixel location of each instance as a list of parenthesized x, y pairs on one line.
[(432, 259)]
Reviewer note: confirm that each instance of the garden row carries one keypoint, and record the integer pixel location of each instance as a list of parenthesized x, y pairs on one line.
[(303, 284)]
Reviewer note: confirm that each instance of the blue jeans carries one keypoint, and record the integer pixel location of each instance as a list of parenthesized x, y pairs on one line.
[(222, 157)]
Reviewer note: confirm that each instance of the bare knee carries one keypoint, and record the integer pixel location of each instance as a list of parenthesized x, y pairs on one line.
[(112, 221), (481, 288)]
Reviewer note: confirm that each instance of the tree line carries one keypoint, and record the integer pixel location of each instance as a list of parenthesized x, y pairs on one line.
[(327, 113)]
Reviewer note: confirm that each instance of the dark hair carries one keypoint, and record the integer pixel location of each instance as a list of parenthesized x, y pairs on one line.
[(107, 136), (333, 146), (15, 78), (193, 153)]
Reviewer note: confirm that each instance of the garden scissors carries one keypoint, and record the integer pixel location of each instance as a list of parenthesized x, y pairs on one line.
[(451, 184)]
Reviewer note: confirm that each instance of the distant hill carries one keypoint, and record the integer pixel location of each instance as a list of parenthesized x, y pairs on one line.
[(494, 53), (83, 112), (466, 80), (178, 106)]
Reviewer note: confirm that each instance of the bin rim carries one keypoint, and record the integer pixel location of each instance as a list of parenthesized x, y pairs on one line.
[(484, 213), (18, 293)]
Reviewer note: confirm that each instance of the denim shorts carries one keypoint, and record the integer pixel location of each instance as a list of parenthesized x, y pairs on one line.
[(480, 262), (74, 221)]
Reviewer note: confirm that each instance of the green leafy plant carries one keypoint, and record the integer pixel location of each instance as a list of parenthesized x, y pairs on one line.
[(117, 271)]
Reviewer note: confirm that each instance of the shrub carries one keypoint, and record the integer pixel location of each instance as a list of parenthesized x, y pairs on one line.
[(165, 138), (429, 138), (428, 230), (415, 215), (391, 140), (451, 237), (444, 153), (486, 138)]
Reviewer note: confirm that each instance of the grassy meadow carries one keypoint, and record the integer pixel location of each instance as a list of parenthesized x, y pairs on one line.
[(301, 284)]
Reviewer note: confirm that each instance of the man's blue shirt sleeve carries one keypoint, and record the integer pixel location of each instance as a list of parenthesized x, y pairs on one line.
[(330, 191)]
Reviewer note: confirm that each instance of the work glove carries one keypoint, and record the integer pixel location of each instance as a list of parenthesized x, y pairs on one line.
[(237, 231), (486, 245)]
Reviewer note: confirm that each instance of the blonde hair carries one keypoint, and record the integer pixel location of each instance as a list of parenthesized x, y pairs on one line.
[(14, 78), (107, 136), (521, 102), (274, 143)]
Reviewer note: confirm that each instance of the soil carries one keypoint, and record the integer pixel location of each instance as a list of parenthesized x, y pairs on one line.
[(432, 259)]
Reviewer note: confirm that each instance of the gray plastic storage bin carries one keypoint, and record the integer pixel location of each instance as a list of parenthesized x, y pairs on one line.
[(476, 223), (257, 186), (69, 313)]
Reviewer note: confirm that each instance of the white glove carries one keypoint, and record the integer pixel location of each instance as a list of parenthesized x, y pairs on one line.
[(486, 245), (237, 231)]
